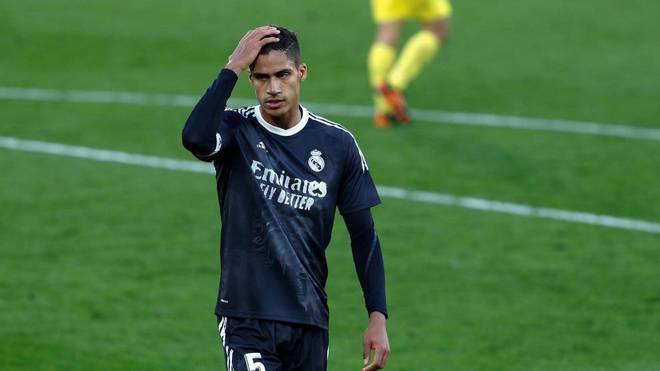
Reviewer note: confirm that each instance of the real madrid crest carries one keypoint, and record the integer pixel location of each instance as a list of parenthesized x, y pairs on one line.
[(315, 161)]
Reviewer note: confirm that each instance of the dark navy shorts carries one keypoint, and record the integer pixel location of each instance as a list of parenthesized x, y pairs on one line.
[(264, 345)]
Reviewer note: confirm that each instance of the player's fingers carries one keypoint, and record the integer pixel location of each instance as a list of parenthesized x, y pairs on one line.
[(371, 367), (265, 31), (267, 35), (265, 27), (385, 357), (262, 38), (268, 28), (378, 357), (268, 40), (366, 351), (253, 34), (382, 357)]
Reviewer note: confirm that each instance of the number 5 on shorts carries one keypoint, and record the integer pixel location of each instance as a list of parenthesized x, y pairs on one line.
[(251, 360)]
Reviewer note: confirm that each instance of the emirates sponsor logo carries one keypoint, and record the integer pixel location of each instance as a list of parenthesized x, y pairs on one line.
[(284, 189)]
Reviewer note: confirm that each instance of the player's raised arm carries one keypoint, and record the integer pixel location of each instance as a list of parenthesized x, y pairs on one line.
[(205, 133)]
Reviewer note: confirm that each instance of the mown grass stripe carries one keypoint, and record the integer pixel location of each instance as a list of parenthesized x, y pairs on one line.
[(420, 115), (385, 191)]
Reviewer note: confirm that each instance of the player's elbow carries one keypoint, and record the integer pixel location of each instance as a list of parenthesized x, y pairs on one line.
[(189, 139), (194, 142)]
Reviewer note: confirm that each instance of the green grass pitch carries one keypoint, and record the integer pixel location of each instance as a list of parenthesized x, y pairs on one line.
[(106, 266)]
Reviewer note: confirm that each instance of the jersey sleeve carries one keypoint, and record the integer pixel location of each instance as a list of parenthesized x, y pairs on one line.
[(209, 128), (357, 190), (368, 259)]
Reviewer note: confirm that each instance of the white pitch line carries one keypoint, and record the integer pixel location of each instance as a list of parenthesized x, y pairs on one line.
[(432, 116), (385, 191)]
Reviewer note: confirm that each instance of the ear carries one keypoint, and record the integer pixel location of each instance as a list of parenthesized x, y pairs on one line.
[(302, 71)]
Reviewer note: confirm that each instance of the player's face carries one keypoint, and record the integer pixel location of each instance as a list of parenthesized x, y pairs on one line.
[(276, 80)]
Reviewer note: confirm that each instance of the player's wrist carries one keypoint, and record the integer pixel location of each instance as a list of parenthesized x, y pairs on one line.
[(235, 68), (377, 317)]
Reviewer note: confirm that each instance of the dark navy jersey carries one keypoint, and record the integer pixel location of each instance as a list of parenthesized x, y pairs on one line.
[(278, 191)]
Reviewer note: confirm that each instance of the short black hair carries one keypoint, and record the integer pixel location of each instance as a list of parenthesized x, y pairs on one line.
[(288, 43)]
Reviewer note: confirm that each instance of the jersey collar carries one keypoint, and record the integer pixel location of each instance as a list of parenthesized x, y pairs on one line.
[(278, 130)]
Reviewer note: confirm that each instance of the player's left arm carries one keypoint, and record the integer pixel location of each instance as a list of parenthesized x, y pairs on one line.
[(368, 260)]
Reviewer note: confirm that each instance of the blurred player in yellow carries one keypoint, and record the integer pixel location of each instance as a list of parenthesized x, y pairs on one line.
[(390, 76)]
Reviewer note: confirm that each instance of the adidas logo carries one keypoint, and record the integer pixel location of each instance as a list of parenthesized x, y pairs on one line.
[(261, 145)]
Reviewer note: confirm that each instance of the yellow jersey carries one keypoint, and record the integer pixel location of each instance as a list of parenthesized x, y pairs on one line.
[(422, 10)]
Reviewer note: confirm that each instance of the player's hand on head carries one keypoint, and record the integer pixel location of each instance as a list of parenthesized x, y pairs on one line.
[(249, 46), (375, 338)]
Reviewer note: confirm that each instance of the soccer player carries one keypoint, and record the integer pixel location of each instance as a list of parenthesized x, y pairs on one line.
[(390, 76), (281, 173)]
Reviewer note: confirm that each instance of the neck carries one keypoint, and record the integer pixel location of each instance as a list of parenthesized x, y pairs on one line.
[(285, 121)]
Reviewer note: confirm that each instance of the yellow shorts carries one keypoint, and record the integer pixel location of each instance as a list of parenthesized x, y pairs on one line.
[(422, 10)]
